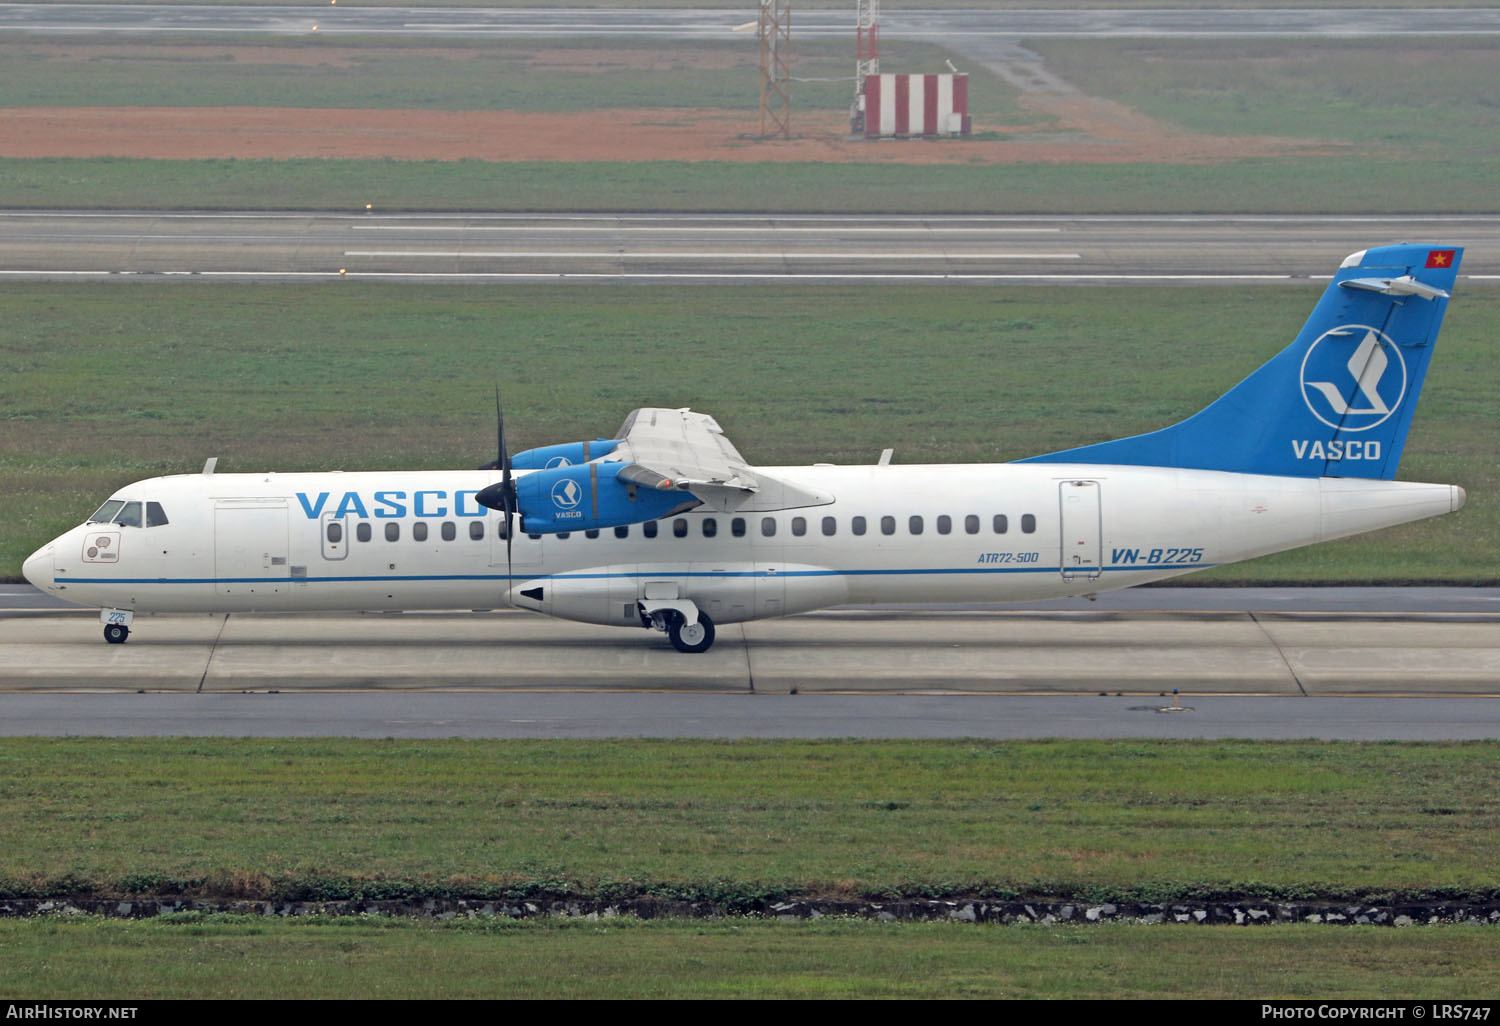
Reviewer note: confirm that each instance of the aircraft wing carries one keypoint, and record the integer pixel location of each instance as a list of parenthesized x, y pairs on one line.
[(685, 451)]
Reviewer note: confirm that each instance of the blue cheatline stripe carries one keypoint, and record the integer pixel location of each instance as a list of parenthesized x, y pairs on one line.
[(391, 579)]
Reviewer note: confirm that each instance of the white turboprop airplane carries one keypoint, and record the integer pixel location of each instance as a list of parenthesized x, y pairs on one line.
[(666, 526)]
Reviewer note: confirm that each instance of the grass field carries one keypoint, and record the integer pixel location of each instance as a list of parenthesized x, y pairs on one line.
[(1398, 100), (742, 820), (228, 958), (102, 385), (555, 76), (738, 821), (1410, 131), (1305, 185)]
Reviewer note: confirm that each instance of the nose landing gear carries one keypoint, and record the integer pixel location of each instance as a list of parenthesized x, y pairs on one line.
[(116, 624)]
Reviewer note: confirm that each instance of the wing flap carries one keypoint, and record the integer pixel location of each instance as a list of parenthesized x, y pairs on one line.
[(687, 450)]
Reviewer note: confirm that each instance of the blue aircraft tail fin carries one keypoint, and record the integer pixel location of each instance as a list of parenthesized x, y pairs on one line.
[(1338, 401)]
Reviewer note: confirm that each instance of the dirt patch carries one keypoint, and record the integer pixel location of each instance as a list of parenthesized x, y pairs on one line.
[(1085, 130)]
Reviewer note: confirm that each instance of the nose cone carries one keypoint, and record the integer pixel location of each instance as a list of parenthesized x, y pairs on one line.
[(38, 568), (1459, 498)]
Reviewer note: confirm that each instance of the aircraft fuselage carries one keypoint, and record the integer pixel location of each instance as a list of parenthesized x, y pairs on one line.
[(941, 533)]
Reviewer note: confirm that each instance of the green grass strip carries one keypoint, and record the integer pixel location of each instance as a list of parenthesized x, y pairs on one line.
[(738, 822), (1314, 185), (225, 957)]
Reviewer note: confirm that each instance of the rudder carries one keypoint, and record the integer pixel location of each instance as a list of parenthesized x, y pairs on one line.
[(1338, 401)]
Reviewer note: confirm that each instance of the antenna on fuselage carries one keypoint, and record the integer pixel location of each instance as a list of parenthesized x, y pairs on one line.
[(209, 465)]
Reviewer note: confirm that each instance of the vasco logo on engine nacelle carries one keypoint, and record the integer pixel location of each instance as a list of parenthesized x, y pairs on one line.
[(566, 494), (1365, 389)]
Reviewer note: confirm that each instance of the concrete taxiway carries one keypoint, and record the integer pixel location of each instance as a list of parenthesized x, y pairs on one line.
[(1289, 653)]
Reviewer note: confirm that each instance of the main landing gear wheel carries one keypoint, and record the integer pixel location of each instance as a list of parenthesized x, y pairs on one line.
[(691, 637), (116, 633)]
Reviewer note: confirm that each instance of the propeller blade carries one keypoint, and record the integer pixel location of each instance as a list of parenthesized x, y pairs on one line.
[(501, 496), (507, 486)]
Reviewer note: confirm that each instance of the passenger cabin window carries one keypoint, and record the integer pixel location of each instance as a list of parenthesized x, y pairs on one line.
[(1002, 523), (419, 531), (799, 526), (679, 528), (857, 525), (335, 531), (649, 529), (592, 532), (971, 524), (737, 527), (476, 530), (914, 525), (830, 527), (1028, 524), (362, 532), (155, 515), (622, 531), (768, 526), (710, 527), (449, 530), (945, 524), (887, 525), (392, 532)]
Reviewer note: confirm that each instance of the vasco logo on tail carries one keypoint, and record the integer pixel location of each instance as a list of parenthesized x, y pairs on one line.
[(1378, 381)]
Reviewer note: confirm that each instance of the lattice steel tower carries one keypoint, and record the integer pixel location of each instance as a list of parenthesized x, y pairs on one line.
[(866, 56), (775, 73)]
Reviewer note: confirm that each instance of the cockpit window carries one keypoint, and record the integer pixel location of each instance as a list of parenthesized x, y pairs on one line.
[(106, 513), (130, 516), (155, 515)]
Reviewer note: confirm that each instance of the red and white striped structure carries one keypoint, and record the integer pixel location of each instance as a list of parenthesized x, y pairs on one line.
[(897, 105)]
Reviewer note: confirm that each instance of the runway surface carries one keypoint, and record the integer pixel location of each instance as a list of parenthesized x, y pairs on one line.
[(1420, 663), (720, 23), (1016, 717), (584, 248)]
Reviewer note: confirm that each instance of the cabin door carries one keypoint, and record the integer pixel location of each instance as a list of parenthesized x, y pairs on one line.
[(1082, 530), (250, 547)]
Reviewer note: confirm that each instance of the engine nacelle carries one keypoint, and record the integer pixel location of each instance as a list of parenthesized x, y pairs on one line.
[(590, 496), (568, 454)]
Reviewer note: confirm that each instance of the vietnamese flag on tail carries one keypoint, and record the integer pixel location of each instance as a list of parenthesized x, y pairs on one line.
[(1440, 257)]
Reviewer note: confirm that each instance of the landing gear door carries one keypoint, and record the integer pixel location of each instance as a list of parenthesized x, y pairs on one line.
[(1082, 532)]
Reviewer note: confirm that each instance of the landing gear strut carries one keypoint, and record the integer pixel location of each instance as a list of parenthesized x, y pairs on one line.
[(691, 637), (116, 633)]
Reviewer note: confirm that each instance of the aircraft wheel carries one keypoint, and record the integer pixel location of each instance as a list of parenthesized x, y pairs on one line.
[(692, 637), (116, 633)]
